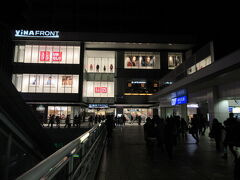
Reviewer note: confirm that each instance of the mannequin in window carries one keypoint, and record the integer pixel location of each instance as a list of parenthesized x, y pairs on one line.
[(135, 61), (104, 68), (97, 68), (91, 67), (49, 80), (111, 67)]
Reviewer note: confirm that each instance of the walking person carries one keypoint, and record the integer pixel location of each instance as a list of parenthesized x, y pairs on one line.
[(67, 122), (194, 128), (57, 119), (139, 120), (90, 121), (217, 133), (169, 135), (51, 120)]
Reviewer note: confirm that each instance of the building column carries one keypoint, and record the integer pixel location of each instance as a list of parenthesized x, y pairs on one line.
[(184, 113), (162, 112), (217, 108)]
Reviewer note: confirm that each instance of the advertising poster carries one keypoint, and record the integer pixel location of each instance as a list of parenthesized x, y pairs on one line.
[(34, 80), (50, 80), (140, 61), (67, 81)]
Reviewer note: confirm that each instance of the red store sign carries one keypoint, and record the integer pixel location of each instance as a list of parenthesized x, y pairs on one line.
[(45, 56), (100, 89)]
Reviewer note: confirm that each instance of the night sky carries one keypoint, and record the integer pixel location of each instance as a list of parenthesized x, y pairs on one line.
[(203, 20)]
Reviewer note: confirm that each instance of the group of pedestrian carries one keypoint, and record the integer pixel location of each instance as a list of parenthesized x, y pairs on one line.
[(197, 126), (166, 131), (138, 119), (53, 119), (227, 136), (95, 119), (120, 120)]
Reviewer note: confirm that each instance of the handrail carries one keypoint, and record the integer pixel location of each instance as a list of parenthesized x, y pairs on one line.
[(49, 167)]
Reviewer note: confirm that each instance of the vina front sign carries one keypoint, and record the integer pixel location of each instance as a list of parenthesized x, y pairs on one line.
[(37, 33)]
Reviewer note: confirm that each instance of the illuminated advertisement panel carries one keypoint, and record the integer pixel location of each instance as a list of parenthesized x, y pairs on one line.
[(179, 100)]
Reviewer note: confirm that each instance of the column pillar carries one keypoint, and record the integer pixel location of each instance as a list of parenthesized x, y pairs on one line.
[(217, 108), (184, 111), (163, 112)]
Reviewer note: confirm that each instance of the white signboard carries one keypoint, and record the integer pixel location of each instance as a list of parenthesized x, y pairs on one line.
[(37, 33)]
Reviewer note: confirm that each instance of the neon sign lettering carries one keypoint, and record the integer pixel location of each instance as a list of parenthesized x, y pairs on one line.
[(36, 33)]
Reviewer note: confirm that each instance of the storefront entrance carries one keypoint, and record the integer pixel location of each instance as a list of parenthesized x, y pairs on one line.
[(132, 113)]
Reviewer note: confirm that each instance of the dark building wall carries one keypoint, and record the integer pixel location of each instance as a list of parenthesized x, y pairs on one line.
[(51, 97), (123, 76), (6, 50)]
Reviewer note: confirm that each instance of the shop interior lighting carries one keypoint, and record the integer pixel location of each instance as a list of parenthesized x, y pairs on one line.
[(192, 106)]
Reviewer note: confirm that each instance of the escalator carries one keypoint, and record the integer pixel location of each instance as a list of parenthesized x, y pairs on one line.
[(24, 143)]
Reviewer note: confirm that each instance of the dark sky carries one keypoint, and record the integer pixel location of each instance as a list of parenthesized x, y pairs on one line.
[(203, 20)]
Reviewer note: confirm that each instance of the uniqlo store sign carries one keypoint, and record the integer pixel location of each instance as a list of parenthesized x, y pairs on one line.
[(47, 55), (100, 89)]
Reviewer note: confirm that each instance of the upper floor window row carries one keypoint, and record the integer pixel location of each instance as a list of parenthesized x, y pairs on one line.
[(142, 60), (47, 54)]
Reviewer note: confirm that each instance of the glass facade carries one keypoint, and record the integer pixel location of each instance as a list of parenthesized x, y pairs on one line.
[(98, 89), (141, 60), (47, 54), (174, 60), (100, 61), (46, 83)]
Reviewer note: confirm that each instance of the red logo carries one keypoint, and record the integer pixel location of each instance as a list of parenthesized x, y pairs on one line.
[(44, 55), (57, 56), (100, 89)]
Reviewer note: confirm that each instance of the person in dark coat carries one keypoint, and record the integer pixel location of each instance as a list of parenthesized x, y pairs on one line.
[(216, 133)]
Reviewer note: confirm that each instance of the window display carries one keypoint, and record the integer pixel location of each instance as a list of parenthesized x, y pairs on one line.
[(46, 83), (133, 112), (100, 61), (47, 54), (98, 89), (142, 60), (205, 62), (174, 60), (63, 111)]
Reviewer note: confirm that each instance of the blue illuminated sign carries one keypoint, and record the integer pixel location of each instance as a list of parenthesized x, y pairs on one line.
[(98, 106), (179, 100), (179, 93)]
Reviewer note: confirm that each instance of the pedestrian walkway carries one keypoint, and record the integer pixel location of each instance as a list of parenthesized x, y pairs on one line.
[(126, 157)]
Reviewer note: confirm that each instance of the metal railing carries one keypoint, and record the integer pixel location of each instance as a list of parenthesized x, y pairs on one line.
[(78, 159)]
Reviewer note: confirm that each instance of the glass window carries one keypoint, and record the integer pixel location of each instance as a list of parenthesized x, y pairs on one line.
[(201, 64), (54, 83), (19, 54), (46, 83), (98, 89), (39, 87), (47, 54), (69, 55), (25, 83), (174, 60), (100, 61), (142, 60)]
